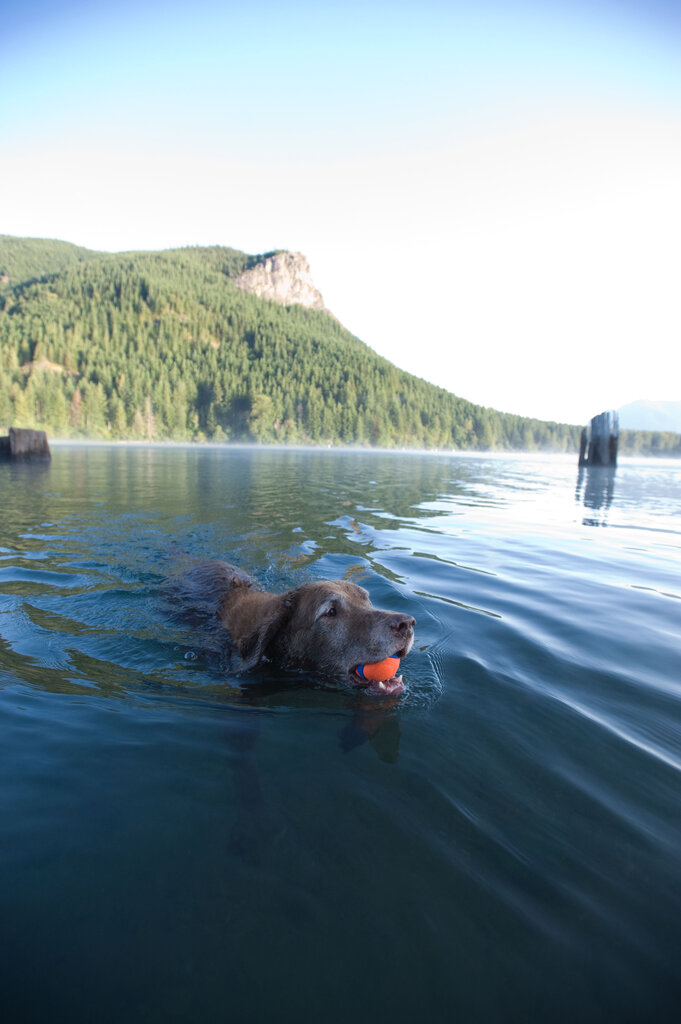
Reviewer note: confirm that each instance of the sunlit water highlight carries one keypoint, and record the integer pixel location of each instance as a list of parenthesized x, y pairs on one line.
[(501, 844)]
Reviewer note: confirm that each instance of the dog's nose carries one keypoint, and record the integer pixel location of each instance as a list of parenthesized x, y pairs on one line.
[(402, 624)]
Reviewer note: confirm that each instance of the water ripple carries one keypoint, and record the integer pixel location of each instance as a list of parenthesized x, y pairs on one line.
[(508, 830)]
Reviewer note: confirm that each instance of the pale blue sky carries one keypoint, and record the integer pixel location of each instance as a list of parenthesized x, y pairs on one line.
[(486, 192)]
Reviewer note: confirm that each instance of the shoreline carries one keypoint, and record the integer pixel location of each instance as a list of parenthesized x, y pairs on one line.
[(468, 453)]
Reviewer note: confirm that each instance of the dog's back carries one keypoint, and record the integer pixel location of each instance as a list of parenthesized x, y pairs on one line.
[(194, 596)]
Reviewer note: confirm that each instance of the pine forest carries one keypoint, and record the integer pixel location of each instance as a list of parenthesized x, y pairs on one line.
[(164, 346)]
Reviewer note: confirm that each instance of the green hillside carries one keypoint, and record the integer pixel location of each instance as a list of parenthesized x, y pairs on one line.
[(163, 345), (26, 259)]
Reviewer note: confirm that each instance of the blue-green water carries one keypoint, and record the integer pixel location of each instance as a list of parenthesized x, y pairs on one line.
[(503, 844)]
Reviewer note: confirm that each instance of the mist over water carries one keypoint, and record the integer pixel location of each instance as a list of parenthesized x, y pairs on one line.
[(179, 843)]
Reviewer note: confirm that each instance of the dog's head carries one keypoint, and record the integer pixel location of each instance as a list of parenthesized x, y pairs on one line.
[(330, 628)]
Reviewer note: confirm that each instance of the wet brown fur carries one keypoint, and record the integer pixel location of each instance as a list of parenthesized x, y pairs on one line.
[(327, 626)]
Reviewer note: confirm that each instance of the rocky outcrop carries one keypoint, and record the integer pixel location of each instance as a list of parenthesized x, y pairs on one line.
[(283, 277)]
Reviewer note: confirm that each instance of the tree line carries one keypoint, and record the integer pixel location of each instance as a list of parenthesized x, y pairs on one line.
[(164, 346)]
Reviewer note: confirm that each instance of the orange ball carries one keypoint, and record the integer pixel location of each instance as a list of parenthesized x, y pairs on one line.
[(380, 670)]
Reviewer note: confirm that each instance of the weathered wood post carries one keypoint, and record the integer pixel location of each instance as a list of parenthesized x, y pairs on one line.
[(598, 446), (583, 442), (25, 444)]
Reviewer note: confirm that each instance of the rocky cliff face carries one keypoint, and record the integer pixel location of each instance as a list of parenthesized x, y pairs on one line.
[(284, 278)]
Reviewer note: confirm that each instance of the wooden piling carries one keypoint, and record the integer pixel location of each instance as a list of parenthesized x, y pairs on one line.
[(25, 444), (598, 445), (583, 443)]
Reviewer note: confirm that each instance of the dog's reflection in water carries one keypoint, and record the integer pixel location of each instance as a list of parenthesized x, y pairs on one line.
[(258, 824)]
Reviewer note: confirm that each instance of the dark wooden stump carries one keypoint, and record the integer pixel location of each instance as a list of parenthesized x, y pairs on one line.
[(598, 446), (583, 443), (25, 444)]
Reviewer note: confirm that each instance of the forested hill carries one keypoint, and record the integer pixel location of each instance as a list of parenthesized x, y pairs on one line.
[(164, 345), (26, 259)]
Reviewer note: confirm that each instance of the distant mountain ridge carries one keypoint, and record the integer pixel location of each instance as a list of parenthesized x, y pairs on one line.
[(210, 343), (649, 415)]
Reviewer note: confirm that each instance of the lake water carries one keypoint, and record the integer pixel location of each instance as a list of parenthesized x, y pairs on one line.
[(501, 844)]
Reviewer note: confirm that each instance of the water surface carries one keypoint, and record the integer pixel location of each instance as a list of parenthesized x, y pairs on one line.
[(502, 843)]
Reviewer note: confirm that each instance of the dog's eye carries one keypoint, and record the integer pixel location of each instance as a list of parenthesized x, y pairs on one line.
[(330, 612)]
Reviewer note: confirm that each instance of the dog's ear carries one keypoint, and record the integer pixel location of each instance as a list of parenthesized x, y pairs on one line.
[(253, 647)]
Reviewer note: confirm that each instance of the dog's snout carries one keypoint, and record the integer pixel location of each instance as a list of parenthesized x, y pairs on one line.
[(402, 624)]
